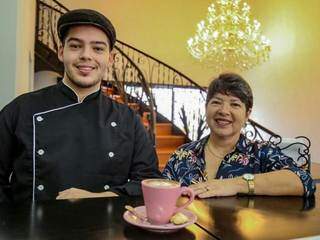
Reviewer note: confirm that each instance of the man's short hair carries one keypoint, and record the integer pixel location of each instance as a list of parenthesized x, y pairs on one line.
[(86, 17)]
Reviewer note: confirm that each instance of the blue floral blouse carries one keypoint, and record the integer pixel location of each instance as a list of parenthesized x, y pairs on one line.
[(187, 164)]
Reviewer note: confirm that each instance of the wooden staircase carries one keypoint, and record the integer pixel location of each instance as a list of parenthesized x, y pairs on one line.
[(166, 142)]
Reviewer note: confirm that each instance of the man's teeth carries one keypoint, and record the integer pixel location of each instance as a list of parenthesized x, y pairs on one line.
[(85, 69)]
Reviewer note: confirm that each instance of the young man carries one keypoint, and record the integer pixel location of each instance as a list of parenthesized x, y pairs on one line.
[(69, 140)]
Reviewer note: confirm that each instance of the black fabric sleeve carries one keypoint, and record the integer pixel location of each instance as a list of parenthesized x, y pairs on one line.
[(7, 143)]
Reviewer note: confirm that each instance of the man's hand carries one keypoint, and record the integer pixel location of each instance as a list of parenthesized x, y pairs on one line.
[(74, 193), (219, 187)]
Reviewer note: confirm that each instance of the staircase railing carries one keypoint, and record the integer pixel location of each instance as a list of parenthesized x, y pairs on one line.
[(176, 96), (158, 86), (48, 13)]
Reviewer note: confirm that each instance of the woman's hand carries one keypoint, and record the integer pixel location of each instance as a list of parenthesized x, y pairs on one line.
[(220, 187)]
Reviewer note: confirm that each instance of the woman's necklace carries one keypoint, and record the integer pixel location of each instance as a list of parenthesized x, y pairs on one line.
[(213, 161), (210, 149)]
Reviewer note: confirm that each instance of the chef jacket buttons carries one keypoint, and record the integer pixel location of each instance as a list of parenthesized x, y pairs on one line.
[(113, 124), (111, 154), (39, 119), (106, 187), (40, 152), (40, 187)]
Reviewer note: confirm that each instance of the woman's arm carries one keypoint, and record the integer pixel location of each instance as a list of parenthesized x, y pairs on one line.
[(274, 160), (282, 182), (276, 183)]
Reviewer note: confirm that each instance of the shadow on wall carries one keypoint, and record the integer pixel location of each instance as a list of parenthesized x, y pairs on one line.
[(44, 79)]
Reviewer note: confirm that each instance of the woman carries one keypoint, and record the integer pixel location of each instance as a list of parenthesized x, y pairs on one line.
[(226, 163)]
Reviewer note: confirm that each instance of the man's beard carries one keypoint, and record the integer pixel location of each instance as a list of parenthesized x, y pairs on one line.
[(83, 84)]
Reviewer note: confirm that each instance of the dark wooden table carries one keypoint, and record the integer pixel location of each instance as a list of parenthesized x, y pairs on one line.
[(218, 218), (260, 217), (82, 219)]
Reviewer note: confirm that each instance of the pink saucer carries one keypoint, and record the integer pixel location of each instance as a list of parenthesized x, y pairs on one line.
[(165, 228)]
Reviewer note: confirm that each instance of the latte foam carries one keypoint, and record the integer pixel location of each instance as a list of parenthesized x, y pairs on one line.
[(161, 183)]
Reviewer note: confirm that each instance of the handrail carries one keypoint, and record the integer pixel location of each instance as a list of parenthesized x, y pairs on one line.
[(145, 87), (60, 5), (163, 63)]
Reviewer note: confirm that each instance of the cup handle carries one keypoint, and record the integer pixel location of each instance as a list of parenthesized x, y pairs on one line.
[(191, 198)]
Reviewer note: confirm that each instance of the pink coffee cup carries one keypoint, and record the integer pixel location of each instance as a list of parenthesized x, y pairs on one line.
[(160, 198)]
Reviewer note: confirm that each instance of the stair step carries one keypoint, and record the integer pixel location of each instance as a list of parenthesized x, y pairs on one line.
[(163, 156), (170, 149), (118, 98), (163, 128), (169, 141), (166, 151), (134, 106), (107, 90)]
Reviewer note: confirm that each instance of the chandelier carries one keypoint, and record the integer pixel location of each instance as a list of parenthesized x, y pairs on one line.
[(228, 39)]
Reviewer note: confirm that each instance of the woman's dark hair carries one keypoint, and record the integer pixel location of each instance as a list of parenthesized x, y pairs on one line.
[(231, 84)]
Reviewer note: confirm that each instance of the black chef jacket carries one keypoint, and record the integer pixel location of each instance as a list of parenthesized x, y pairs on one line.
[(50, 142)]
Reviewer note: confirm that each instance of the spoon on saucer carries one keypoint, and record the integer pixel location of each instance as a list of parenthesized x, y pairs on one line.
[(135, 213)]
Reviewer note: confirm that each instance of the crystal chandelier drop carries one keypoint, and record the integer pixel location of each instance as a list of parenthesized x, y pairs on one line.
[(228, 39)]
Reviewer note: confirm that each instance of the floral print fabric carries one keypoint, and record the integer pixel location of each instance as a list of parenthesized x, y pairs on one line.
[(187, 164)]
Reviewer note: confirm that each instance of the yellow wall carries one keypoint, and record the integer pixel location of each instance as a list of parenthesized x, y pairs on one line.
[(25, 46), (285, 88), (17, 26)]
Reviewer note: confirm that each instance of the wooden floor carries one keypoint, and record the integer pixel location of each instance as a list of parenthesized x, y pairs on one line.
[(315, 170)]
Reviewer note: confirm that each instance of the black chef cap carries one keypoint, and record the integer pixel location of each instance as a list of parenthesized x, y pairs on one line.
[(86, 17)]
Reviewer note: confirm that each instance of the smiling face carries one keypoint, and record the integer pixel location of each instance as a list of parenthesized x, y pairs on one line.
[(226, 115), (86, 55)]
